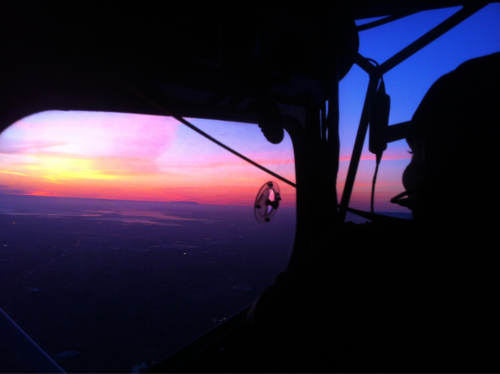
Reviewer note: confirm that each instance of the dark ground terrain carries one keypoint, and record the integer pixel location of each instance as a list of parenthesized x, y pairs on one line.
[(112, 286)]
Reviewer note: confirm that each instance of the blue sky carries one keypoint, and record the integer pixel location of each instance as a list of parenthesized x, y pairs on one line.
[(407, 84)]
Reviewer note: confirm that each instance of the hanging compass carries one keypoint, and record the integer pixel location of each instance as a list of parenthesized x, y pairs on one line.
[(267, 202)]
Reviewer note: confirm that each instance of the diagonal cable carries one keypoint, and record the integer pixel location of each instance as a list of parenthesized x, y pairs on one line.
[(204, 134), (191, 126)]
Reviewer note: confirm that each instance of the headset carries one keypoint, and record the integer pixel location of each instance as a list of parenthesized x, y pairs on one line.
[(381, 134)]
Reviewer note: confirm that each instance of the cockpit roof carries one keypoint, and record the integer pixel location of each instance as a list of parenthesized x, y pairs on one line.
[(67, 55)]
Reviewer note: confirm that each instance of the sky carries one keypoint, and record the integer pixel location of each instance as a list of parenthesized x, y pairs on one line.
[(154, 158), (139, 157), (407, 84)]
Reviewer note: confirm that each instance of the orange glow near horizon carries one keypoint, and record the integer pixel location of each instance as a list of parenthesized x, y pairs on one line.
[(138, 157), (152, 158)]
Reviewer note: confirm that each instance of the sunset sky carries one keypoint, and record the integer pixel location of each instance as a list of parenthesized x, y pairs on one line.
[(138, 157), (153, 158)]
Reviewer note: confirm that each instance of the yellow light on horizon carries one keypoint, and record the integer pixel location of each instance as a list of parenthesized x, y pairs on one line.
[(58, 168), (11, 172)]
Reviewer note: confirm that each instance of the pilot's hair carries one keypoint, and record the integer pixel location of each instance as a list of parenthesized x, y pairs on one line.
[(457, 125)]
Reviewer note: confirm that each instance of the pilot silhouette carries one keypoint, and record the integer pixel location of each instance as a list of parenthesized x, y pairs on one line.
[(421, 297)]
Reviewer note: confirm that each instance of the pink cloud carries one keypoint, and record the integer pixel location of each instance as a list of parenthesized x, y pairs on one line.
[(94, 133), (99, 155), (233, 161), (10, 146)]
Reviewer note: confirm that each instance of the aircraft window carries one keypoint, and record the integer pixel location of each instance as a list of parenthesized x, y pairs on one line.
[(407, 84), (126, 237)]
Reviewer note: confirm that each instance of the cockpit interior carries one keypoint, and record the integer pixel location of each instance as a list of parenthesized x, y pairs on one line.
[(244, 109)]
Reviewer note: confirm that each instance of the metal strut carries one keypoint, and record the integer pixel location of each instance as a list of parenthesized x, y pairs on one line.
[(376, 73)]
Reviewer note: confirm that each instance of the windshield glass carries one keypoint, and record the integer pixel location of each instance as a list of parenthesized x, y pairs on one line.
[(125, 237)]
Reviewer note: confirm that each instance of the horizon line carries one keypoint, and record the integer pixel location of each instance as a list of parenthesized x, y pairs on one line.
[(137, 201)]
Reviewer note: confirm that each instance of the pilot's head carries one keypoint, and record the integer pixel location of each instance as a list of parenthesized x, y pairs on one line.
[(455, 142)]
